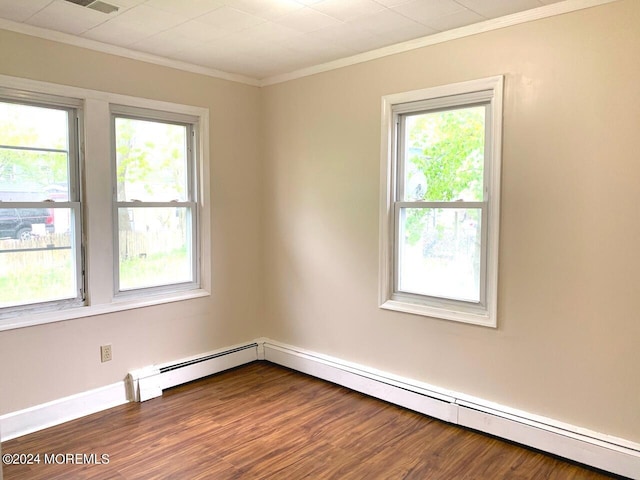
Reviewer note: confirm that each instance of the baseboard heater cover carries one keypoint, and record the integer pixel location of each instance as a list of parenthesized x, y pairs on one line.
[(617, 456), (186, 363), (149, 382)]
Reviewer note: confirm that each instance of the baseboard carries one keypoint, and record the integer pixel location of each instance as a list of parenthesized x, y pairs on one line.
[(600, 451), (149, 382), (39, 417), (187, 370)]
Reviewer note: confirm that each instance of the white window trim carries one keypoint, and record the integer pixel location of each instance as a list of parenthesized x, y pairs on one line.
[(423, 305), (192, 125), (95, 149)]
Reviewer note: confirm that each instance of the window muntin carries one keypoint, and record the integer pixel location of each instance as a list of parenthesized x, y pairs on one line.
[(155, 209), (440, 210), (40, 220)]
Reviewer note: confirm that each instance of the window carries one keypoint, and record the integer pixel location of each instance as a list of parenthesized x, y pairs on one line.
[(40, 217), (155, 208), (440, 201), (104, 199)]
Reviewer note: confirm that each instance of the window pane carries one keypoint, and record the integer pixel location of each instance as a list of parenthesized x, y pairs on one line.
[(37, 256), (34, 154), (154, 246), (36, 127), (33, 176), (444, 155), (151, 160), (439, 252)]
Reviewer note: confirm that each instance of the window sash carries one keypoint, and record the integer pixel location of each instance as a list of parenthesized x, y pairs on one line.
[(401, 112), (191, 204), (446, 104), (395, 108), (72, 107), (192, 245), (398, 294), (162, 117), (77, 254), (73, 204)]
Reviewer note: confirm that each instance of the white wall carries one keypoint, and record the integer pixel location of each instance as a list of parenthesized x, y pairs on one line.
[(567, 342)]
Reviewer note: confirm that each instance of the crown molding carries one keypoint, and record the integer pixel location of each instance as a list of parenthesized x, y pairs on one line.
[(539, 13), (87, 43), (487, 26)]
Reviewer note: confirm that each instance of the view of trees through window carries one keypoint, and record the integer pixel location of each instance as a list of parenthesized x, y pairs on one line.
[(439, 245), (154, 214), (37, 252)]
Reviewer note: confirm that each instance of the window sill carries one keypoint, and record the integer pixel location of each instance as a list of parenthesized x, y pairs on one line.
[(483, 319), (118, 305)]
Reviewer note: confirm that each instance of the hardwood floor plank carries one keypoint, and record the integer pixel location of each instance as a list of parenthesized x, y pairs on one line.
[(262, 421)]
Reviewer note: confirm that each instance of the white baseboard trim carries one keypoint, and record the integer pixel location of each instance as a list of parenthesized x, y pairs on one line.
[(149, 382), (145, 381), (611, 454), (187, 370), (39, 417), (604, 452)]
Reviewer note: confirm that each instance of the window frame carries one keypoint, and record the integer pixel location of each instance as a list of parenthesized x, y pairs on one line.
[(395, 109), (73, 108), (191, 202), (95, 182)]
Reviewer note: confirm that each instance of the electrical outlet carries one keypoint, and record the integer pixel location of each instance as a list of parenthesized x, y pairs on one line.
[(105, 353)]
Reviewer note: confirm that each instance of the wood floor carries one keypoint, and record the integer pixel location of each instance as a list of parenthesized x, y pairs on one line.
[(261, 421)]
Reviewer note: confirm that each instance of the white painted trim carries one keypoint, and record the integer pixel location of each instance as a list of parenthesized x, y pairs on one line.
[(149, 382), (141, 385), (601, 451), (598, 450), (493, 24), (144, 384), (12, 323), (97, 46), (489, 91), (260, 350), (414, 398), (446, 36), (69, 91), (209, 367), (63, 410), (580, 448), (100, 298)]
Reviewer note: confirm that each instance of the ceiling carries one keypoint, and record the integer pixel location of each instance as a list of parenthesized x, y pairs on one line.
[(258, 38)]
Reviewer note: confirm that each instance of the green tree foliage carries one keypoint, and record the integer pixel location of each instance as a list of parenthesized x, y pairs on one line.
[(151, 165), (23, 126), (132, 158), (150, 159), (446, 153)]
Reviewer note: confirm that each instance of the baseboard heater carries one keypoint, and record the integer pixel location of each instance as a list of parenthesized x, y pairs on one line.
[(149, 382), (579, 445)]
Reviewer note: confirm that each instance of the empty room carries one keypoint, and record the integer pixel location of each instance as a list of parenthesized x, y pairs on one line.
[(348, 239)]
